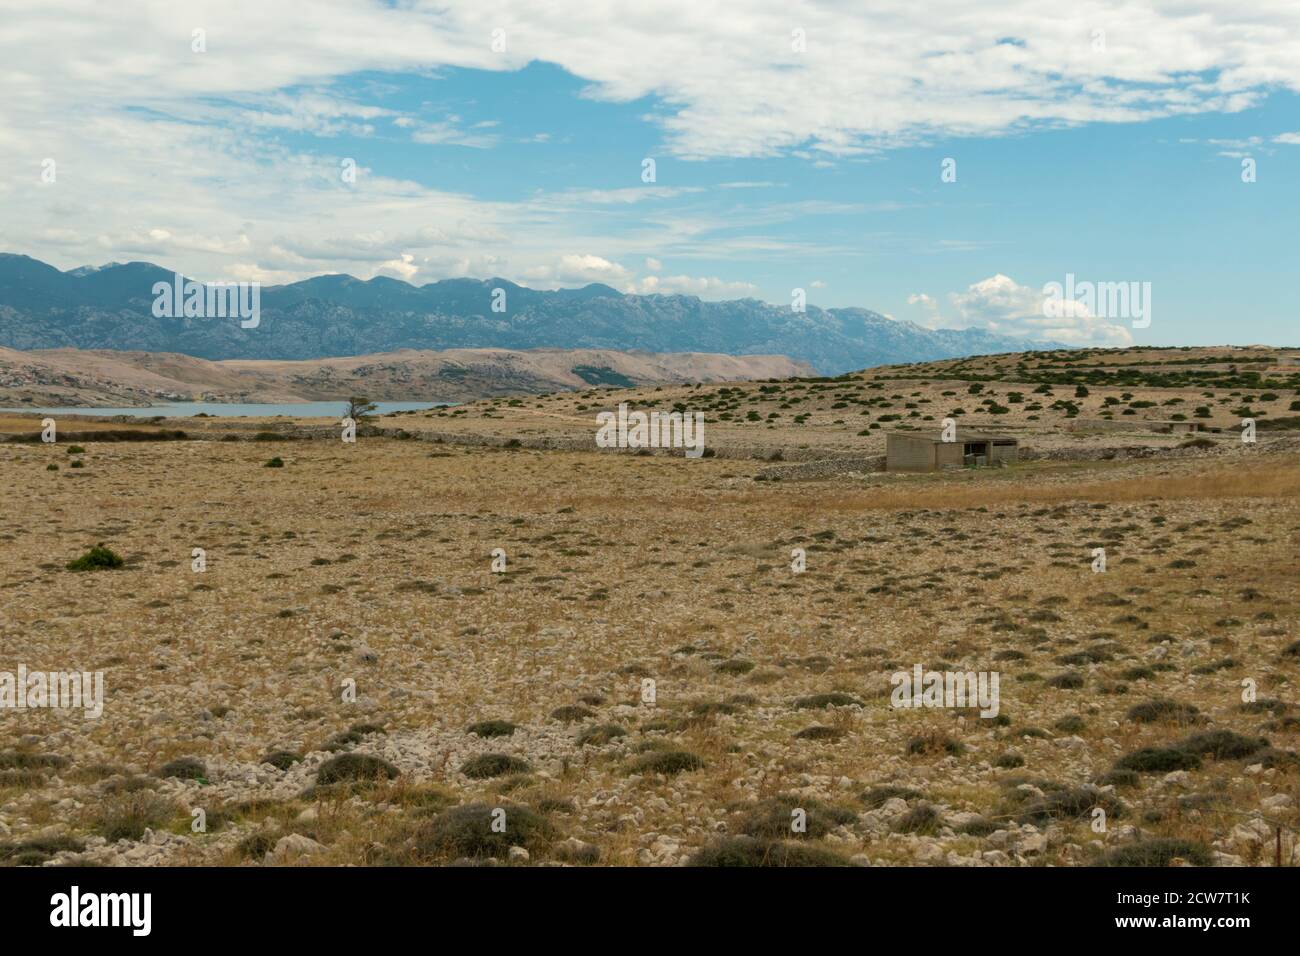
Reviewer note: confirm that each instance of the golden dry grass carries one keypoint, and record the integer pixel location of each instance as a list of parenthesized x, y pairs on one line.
[(623, 568)]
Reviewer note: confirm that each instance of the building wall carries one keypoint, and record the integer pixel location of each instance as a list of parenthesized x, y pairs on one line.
[(948, 454), (905, 453), (1000, 452)]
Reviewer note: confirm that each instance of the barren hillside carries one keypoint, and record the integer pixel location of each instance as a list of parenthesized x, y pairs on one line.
[(76, 377)]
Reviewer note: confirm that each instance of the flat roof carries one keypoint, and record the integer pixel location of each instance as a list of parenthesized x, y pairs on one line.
[(961, 437)]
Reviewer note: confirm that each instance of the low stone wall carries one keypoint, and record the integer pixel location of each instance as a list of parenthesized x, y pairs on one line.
[(558, 443), (823, 468), (1221, 448)]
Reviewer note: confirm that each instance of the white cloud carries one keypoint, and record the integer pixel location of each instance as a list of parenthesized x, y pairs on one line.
[(168, 153), (570, 269), (581, 269), (449, 132), (706, 287), (1000, 304), (930, 309), (403, 267), (870, 78)]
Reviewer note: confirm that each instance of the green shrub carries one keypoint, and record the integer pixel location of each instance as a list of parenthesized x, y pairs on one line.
[(96, 559), (1159, 852), (876, 796), (1162, 709), (1158, 760), (354, 767), (492, 728), (467, 831), (280, 759), (128, 816), (747, 851), (1222, 745), (773, 817), (493, 765), (184, 768), (667, 762)]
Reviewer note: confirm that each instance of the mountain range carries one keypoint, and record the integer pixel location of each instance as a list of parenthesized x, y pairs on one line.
[(111, 307)]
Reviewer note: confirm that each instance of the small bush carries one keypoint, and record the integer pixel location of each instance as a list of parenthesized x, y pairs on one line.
[(1161, 710), (97, 558), (933, 744), (666, 762), (922, 818), (1158, 760), (599, 734), (493, 765), (1223, 745), (128, 816), (819, 732), (1159, 852), (22, 760), (1070, 804), (466, 831), (773, 817), (1067, 681), (37, 850), (257, 845), (184, 768), (276, 462), (354, 767), (747, 851), (492, 728), (734, 666), (280, 759), (877, 796)]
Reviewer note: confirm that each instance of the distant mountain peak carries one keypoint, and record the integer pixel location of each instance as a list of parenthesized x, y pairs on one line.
[(90, 270)]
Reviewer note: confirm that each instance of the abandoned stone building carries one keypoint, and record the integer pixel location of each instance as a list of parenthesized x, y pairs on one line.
[(922, 452)]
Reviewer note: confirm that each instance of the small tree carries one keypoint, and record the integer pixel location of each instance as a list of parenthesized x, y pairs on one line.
[(359, 409)]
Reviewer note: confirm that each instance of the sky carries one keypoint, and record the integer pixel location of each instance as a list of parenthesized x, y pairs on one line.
[(937, 162)]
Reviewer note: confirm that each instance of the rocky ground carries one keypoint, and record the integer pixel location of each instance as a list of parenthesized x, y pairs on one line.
[(507, 716)]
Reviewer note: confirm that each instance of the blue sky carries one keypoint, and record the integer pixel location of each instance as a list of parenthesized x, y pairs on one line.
[(1160, 201), (776, 168)]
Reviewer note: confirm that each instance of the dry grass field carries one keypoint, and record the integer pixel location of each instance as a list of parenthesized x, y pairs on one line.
[(649, 681)]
